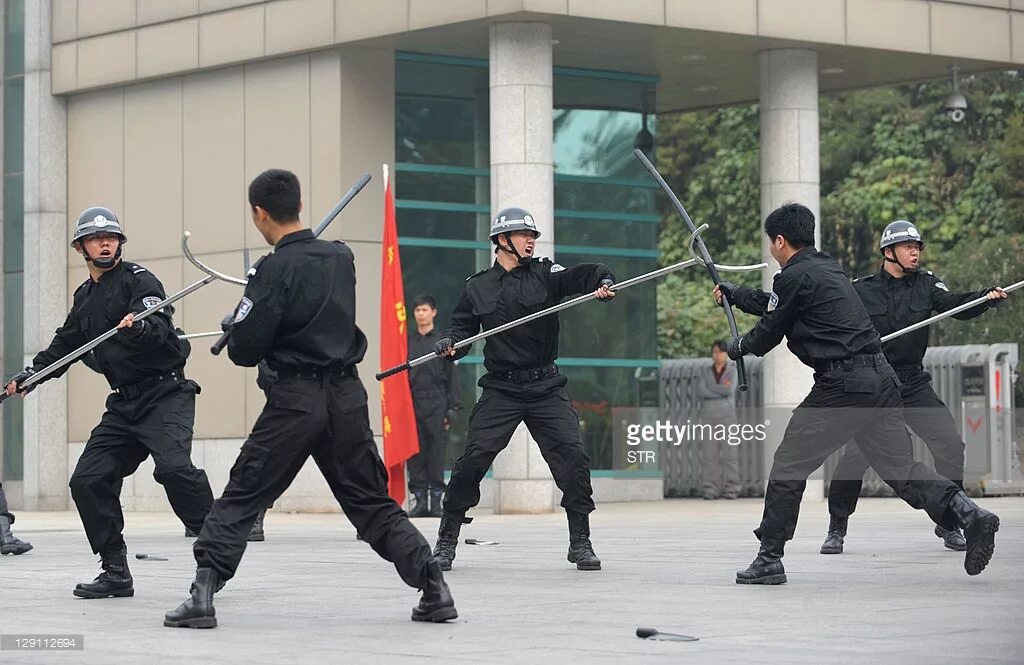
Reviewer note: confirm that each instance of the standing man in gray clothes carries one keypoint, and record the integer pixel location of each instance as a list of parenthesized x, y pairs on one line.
[(719, 461)]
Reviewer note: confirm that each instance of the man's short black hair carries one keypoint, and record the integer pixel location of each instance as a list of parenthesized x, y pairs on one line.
[(792, 221), (276, 191), (720, 344), (424, 299)]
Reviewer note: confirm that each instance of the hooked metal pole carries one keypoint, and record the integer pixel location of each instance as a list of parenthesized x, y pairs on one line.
[(948, 313), (562, 306), (86, 348)]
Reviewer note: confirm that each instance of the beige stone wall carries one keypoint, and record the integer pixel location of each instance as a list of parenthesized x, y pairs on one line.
[(100, 43), (177, 154)]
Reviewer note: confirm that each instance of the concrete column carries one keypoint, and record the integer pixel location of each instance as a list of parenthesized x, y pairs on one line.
[(46, 416), (522, 175), (789, 172)]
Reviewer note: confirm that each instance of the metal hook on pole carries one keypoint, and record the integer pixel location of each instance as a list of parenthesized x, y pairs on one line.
[(205, 268)]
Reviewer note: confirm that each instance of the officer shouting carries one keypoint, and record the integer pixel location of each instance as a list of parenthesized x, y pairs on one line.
[(855, 395), (150, 411), (298, 314), (523, 383), (897, 296)]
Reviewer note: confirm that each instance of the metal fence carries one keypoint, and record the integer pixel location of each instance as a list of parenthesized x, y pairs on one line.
[(975, 381)]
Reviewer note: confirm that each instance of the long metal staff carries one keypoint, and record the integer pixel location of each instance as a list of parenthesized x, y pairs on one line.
[(562, 306), (219, 345), (741, 369), (86, 348), (948, 313)]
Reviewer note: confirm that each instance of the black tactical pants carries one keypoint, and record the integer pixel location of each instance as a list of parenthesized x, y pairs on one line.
[(157, 422), (548, 414), (325, 418), (426, 469), (929, 418), (862, 403)]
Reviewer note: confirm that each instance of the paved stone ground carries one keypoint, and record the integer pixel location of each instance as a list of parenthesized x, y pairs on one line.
[(312, 593)]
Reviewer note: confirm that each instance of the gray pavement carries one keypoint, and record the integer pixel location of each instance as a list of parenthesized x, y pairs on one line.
[(312, 593)]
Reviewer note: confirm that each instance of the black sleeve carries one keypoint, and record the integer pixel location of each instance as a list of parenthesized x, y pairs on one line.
[(258, 315), (779, 315), (146, 291), (751, 301), (943, 300), (464, 324), (579, 279), (67, 338)]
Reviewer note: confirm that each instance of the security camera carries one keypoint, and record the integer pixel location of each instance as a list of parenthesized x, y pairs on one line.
[(956, 107)]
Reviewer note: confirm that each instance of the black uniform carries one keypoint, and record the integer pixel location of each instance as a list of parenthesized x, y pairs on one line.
[(894, 304), (150, 412), (523, 383), (855, 393), (435, 396), (298, 314)]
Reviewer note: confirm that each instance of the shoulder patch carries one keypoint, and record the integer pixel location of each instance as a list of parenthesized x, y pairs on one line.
[(136, 269), (244, 307), (477, 274), (151, 301), (942, 286), (773, 302), (556, 267), (929, 272)]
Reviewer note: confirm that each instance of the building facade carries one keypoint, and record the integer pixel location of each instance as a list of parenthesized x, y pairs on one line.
[(163, 110)]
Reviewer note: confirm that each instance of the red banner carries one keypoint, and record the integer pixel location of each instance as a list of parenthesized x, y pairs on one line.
[(400, 438)]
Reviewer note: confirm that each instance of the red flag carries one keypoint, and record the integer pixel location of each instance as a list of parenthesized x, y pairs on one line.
[(400, 438)]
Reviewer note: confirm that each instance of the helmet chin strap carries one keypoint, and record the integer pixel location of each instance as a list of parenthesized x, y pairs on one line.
[(909, 271), (102, 263), (511, 249)]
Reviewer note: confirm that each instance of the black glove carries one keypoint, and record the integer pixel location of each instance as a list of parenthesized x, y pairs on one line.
[(227, 322), (21, 376), (729, 291), (609, 282), (441, 347), (735, 349), (133, 331)]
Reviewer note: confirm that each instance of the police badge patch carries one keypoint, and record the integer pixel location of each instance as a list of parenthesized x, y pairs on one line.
[(557, 268), (942, 286), (151, 301), (773, 302), (244, 307)]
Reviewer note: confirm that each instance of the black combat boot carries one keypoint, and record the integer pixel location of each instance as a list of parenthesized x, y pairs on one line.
[(198, 611), (114, 582), (436, 603), (9, 544), (581, 552), (419, 504), (435, 501), (836, 532), (256, 534), (767, 567), (448, 539), (951, 538), (979, 527)]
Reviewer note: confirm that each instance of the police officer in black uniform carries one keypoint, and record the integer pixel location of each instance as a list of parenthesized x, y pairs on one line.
[(900, 295), (298, 313), (522, 383), (150, 412), (855, 395), (435, 399)]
